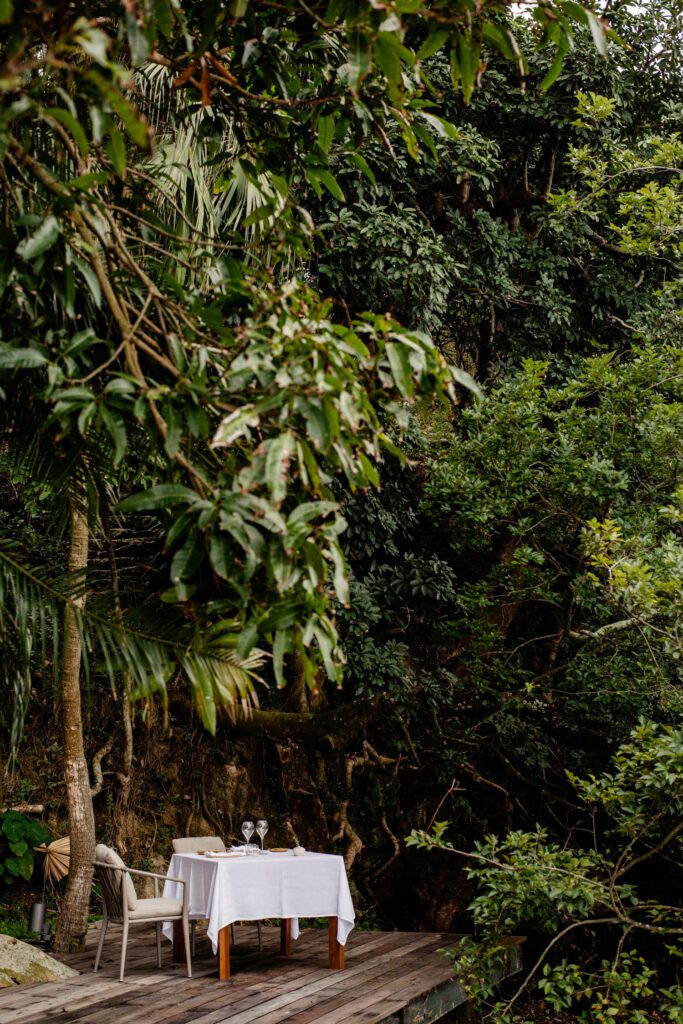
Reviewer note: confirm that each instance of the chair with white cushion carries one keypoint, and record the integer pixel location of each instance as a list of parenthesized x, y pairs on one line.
[(192, 844), (121, 905)]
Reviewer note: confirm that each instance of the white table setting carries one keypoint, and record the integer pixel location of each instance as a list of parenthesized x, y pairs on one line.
[(248, 884)]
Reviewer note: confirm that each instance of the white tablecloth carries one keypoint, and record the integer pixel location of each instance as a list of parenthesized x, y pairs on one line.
[(259, 886)]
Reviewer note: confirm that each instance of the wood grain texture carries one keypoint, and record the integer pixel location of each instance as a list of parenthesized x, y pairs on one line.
[(336, 950), (224, 953), (390, 978)]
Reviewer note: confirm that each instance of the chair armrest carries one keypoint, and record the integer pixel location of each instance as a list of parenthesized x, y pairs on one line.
[(137, 871), (153, 874)]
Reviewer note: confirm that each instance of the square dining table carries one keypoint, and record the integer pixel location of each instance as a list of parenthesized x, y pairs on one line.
[(229, 887)]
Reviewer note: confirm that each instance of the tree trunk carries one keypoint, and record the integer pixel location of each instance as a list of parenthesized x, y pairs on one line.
[(73, 919)]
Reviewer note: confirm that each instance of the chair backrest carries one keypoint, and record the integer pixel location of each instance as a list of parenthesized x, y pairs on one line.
[(110, 871), (190, 844)]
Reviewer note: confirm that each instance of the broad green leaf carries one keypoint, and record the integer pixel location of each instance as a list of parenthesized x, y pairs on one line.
[(72, 126), (6, 11), (433, 43), (277, 465), (235, 425), (325, 132), (116, 428), (321, 176), (401, 369), (39, 242), (188, 557), (443, 127), (318, 427), (362, 165), (279, 650), (465, 380), (12, 358), (387, 57), (557, 64), (163, 13), (370, 470), (597, 33), (360, 58), (91, 280), (116, 149), (221, 557), (160, 496), (341, 580)]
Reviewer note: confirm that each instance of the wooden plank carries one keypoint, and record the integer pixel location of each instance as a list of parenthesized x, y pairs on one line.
[(267, 1011), (376, 1002), (391, 978), (340, 994), (336, 949)]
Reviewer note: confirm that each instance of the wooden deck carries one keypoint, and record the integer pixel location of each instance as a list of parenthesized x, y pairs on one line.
[(390, 978)]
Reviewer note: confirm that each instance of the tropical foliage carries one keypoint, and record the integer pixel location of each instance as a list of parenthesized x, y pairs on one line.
[(346, 337)]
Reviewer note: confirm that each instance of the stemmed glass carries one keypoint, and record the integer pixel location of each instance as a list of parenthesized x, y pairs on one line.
[(247, 832), (261, 830)]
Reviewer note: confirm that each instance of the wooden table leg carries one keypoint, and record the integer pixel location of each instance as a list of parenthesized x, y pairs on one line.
[(224, 953), (285, 936), (178, 943), (336, 948)]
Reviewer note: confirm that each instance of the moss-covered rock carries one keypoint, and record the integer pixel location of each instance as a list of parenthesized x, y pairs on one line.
[(21, 963)]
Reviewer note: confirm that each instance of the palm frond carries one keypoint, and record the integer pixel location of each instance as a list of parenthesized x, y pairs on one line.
[(149, 643)]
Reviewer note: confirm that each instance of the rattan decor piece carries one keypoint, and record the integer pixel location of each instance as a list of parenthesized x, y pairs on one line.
[(57, 857)]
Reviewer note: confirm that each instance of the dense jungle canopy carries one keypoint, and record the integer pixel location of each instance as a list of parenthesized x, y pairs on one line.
[(341, 450)]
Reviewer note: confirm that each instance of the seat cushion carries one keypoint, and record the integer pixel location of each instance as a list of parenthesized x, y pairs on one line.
[(161, 908), (190, 844), (106, 855)]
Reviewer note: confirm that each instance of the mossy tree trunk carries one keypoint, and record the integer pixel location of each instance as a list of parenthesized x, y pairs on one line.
[(73, 919)]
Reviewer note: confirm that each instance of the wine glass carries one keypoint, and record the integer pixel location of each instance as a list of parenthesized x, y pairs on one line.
[(261, 830), (247, 832)]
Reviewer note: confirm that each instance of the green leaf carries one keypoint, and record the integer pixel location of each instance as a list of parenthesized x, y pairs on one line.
[(116, 149), (443, 127), (362, 165), (91, 280), (188, 557), (557, 64), (399, 361), (433, 43), (387, 57), (6, 11), (12, 358), (598, 33), (360, 59), (318, 427), (116, 428), (465, 380), (221, 556), (279, 650), (277, 465), (163, 13), (161, 496), (38, 243), (341, 580), (325, 133), (69, 122), (321, 176)]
